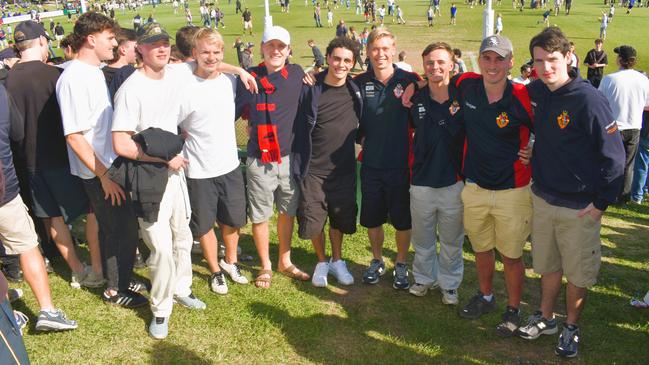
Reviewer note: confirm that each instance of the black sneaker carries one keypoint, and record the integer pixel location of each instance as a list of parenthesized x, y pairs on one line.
[(374, 272), (478, 306), (568, 344), (511, 322), (127, 299), (138, 286)]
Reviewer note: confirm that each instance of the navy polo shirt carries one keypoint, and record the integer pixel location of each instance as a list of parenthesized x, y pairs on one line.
[(384, 121), (437, 153), (494, 133), (276, 103)]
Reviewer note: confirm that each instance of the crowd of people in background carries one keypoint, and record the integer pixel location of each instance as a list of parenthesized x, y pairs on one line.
[(139, 136)]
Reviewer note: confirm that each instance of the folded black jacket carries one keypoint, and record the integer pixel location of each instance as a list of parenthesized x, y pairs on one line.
[(145, 182)]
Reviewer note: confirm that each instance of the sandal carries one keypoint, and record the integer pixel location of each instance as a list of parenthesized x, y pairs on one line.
[(262, 279), (295, 273)]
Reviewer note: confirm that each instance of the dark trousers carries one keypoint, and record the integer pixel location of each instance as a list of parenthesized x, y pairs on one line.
[(630, 140), (595, 80), (117, 235), (12, 347)]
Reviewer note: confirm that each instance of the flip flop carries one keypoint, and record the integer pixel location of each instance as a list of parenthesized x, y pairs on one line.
[(295, 273), (261, 279)]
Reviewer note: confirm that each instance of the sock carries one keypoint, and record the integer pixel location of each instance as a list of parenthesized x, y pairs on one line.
[(488, 298)]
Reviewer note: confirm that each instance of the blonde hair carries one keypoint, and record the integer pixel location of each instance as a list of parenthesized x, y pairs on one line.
[(207, 34), (379, 33)]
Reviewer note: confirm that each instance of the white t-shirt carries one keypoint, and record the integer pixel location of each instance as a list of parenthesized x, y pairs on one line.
[(86, 107), (519, 80), (627, 92), (142, 102), (404, 66), (207, 112)]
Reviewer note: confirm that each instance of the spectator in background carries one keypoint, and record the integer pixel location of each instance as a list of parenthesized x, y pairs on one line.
[(402, 62), (318, 58), (596, 59), (247, 60), (453, 14), (460, 66), (123, 54), (524, 78), (574, 59), (341, 29)]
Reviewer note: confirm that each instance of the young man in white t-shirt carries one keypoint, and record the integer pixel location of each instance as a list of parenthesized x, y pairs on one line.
[(214, 179), (148, 98), (87, 115)]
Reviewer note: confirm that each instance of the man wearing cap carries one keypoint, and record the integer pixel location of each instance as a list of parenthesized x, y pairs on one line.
[(86, 110), (271, 115), (577, 172), (43, 152), (495, 115), (627, 92), (386, 139), (149, 98)]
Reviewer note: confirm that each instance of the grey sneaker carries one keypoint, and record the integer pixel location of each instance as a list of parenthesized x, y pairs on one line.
[(478, 306), (568, 344), (93, 280), (450, 297), (190, 302), (54, 321), (159, 328), (420, 290), (374, 272), (401, 276), (537, 326), (77, 277)]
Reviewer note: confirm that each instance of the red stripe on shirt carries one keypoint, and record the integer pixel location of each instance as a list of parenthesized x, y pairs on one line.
[(266, 106)]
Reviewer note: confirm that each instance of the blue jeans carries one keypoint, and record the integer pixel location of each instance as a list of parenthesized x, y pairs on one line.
[(640, 170)]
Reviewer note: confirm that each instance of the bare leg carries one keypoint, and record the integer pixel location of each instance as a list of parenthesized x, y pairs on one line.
[(575, 300), (285, 235), (403, 244), (550, 288), (336, 238), (208, 245), (376, 237), (514, 278), (485, 264), (231, 241), (319, 246), (92, 239), (33, 267), (260, 236), (61, 236)]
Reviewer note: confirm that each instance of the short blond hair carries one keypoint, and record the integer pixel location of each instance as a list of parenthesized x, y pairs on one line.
[(207, 34), (379, 33)]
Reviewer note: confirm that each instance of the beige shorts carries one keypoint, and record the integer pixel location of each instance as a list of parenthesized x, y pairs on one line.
[(16, 227), (561, 241), (499, 219), (247, 25)]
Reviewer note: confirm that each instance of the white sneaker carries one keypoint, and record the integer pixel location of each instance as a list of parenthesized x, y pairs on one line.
[(450, 297), (421, 289), (339, 270), (218, 284), (233, 272), (320, 273)]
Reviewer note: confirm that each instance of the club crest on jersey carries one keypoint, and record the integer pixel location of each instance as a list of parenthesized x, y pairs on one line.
[(563, 120), (502, 120), (398, 91)]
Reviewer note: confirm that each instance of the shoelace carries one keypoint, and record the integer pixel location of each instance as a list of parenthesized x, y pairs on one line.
[(220, 279), (21, 319), (375, 265), (236, 269), (401, 271)]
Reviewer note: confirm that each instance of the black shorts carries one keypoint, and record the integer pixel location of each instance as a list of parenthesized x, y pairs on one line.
[(218, 199), (55, 192), (385, 197), (327, 196)]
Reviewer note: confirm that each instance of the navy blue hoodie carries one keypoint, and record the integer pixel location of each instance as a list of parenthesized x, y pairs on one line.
[(578, 154)]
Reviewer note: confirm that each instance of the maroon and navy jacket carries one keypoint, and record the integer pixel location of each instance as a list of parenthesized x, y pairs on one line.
[(276, 104), (495, 133), (578, 153)]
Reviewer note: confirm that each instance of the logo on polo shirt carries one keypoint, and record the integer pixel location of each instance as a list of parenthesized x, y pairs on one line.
[(502, 120), (398, 91), (369, 90), (421, 109), (563, 119)]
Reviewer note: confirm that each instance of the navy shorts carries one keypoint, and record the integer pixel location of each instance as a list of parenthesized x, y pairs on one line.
[(385, 197), (218, 199), (55, 192)]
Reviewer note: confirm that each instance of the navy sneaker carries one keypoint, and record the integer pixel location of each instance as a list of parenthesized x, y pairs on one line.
[(401, 276), (478, 306), (568, 344), (374, 272), (511, 322)]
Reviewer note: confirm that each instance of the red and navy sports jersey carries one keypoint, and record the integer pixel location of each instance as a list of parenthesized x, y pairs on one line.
[(276, 103), (494, 133), (384, 123)]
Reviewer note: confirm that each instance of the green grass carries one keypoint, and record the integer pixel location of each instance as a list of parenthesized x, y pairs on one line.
[(295, 323)]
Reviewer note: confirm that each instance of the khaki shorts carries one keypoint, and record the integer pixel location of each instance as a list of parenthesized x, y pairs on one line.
[(270, 183), (16, 227), (247, 25), (561, 241), (499, 219)]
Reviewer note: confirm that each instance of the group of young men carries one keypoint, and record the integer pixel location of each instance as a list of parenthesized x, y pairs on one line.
[(440, 157)]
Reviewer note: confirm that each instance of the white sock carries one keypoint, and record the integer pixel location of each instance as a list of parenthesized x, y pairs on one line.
[(488, 298)]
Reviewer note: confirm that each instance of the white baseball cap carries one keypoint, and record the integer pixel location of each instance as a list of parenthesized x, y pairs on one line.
[(276, 32)]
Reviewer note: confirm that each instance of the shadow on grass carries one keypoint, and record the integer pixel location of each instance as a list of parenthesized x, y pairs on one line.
[(163, 353)]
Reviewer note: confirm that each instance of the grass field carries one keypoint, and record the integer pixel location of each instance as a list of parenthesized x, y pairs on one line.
[(295, 323)]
